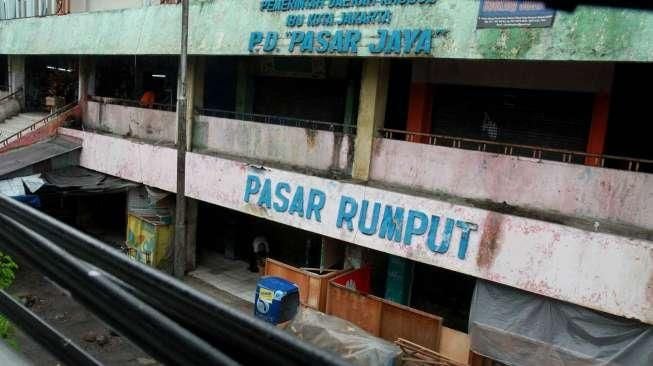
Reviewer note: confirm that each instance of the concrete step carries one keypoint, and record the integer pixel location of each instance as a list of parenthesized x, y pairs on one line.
[(19, 122)]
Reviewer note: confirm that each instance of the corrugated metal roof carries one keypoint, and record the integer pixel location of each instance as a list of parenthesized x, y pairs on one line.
[(14, 160)]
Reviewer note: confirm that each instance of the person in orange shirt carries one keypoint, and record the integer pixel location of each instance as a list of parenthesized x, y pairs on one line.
[(147, 100)]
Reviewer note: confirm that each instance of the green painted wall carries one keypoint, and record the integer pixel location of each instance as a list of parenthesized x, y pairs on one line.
[(222, 27)]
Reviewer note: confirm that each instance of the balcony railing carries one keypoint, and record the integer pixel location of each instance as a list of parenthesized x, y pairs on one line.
[(4, 141), (535, 152), (133, 103), (279, 120), (15, 95)]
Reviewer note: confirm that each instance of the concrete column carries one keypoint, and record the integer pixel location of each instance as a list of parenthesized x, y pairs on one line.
[(195, 94), (195, 98), (420, 108), (83, 79), (244, 88), (371, 114), (599, 128), (17, 76)]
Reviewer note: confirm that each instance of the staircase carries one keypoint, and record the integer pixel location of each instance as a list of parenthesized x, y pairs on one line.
[(13, 125)]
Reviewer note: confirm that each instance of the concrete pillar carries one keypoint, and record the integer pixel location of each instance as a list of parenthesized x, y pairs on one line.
[(195, 94), (244, 88), (420, 108), (371, 114), (17, 76), (195, 98), (599, 128)]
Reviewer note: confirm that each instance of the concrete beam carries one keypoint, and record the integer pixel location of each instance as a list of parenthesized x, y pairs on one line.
[(371, 114)]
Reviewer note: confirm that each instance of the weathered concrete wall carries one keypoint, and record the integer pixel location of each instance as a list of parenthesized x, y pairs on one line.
[(298, 147), (133, 160), (142, 123), (575, 190), (224, 27), (604, 272), (80, 6)]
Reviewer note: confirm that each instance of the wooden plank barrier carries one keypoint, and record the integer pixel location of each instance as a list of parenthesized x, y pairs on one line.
[(383, 318), (312, 286)]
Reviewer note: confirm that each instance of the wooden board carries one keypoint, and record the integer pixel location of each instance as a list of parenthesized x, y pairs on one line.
[(363, 311), (400, 321), (384, 318), (455, 345), (312, 287), (292, 274)]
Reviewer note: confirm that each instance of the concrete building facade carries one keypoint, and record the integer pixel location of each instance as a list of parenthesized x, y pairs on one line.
[(497, 143)]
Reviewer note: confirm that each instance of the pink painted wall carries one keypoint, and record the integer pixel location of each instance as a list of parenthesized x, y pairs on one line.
[(574, 190), (300, 147), (129, 159), (142, 123), (601, 271)]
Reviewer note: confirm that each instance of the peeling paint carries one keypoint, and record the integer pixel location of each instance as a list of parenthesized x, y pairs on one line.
[(223, 28), (489, 244), (610, 273)]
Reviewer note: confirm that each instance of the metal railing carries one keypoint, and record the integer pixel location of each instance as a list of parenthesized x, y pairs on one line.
[(15, 95), (279, 120), (535, 152), (174, 323), (40, 123), (133, 103)]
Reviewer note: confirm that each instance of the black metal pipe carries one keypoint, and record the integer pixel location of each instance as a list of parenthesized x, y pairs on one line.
[(242, 337), (49, 338), (156, 334)]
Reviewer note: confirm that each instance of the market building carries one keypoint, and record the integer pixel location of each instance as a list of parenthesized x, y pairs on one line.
[(478, 162)]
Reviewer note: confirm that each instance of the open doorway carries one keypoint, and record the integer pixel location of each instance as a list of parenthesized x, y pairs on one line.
[(226, 241)]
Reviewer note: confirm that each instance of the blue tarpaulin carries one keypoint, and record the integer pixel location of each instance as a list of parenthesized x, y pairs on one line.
[(30, 199)]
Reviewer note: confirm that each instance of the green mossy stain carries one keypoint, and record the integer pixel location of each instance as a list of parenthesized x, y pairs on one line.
[(602, 33), (511, 43)]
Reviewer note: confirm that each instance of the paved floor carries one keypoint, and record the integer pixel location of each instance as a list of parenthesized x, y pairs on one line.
[(231, 276)]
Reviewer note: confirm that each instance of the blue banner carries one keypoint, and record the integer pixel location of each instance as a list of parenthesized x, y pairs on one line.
[(514, 13)]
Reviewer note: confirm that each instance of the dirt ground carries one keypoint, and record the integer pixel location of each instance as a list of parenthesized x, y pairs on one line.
[(83, 328)]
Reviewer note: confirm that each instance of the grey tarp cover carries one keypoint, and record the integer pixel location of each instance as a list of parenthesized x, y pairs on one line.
[(519, 328), (343, 338)]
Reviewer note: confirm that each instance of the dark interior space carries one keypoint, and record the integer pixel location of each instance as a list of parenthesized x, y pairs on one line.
[(431, 289), (4, 72), (551, 119), (231, 233), (114, 77), (444, 293), (136, 75), (50, 76), (103, 216), (220, 83), (396, 114), (628, 113), (319, 100), (305, 88)]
